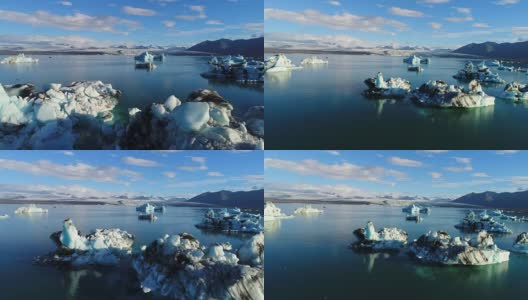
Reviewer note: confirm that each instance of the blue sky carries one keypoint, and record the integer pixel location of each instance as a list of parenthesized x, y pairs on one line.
[(432, 23), (360, 174), (106, 22), (151, 173)]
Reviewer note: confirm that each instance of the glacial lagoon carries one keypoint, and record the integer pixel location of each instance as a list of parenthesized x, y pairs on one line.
[(26, 236), (177, 75), (321, 107), (308, 257)]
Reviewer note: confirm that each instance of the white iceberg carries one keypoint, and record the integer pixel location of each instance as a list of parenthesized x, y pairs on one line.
[(272, 212), (412, 209), (307, 210), (252, 252), (5, 216), (439, 247), (146, 208), (437, 93), (101, 247), (314, 60), (380, 88), (203, 122), (412, 60), (19, 59), (179, 267), (474, 223), (521, 243), (480, 73), (30, 209), (515, 91), (278, 63), (232, 221), (236, 68), (386, 239)]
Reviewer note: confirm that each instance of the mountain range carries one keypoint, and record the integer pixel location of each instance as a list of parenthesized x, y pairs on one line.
[(517, 50), (496, 200), (242, 199), (250, 47)]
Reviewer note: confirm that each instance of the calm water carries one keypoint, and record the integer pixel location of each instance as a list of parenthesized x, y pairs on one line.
[(177, 75), (24, 237), (322, 108), (309, 258)]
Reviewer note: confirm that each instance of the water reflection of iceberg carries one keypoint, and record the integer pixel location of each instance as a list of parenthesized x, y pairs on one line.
[(474, 116), (272, 226), (74, 277), (479, 275), (227, 83), (278, 79)]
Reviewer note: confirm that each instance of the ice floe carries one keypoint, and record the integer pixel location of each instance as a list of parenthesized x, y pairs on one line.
[(146, 208), (411, 209), (30, 209), (5, 216), (314, 60), (307, 210), (252, 252), (236, 68), (232, 221), (437, 93), (19, 59), (101, 247), (278, 63), (412, 60), (521, 243), (439, 247), (480, 73), (386, 239), (179, 267), (204, 121), (515, 91), (272, 212), (474, 223), (57, 118), (380, 88), (145, 61)]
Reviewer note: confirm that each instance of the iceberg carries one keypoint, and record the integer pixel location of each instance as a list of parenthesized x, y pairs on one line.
[(314, 60), (272, 212), (5, 216), (495, 63), (101, 247), (386, 239), (515, 91), (19, 59), (438, 247), (146, 208), (179, 267), (252, 252), (307, 210), (521, 243), (437, 93), (278, 63), (145, 61), (425, 210), (231, 221), (474, 223), (236, 68), (425, 61), (203, 122), (380, 88), (411, 209), (59, 117), (30, 209), (480, 73), (412, 60)]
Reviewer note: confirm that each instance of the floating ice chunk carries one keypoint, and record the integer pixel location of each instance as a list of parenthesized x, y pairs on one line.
[(146, 208), (19, 59), (252, 252), (314, 60), (438, 247), (412, 60), (279, 63), (437, 93), (515, 91), (480, 73), (172, 102), (521, 243), (386, 239), (307, 210), (412, 209), (473, 223), (4, 216), (133, 111), (380, 88), (191, 271), (272, 212), (236, 68), (231, 220), (191, 116), (30, 209)]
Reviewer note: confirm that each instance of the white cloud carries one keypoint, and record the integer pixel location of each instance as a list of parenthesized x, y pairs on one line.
[(139, 162), (506, 2), (169, 23), (65, 3), (78, 171), (199, 166), (464, 165), (335, 171), (334, 3), (68, 153), (343, 21), (435, 25), (480, 25), (313, 41), (435, 175), (507, 152), (402, 12), (137, 11), (75, 22), (199, 11), (214, 22), (169, 174), (333, 152), (433, 1), (464, 15), (398, 161), (215, 174), (480, 174)]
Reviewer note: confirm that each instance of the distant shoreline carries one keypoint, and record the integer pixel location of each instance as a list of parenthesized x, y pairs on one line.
[(101, 52), (364, 52)]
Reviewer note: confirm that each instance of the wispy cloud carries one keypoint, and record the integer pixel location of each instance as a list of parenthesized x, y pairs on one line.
[(199, 11), (403, 12), (507, 152), (507, 2), (139, 162), (398, 161), (137, 11), (464, 165), (200, 164)]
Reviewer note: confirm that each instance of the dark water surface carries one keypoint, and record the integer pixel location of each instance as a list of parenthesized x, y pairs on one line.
[(321, 107), (309, 258), (23, 237)]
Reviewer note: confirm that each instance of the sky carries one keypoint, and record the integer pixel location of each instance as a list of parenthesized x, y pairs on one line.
[(435, 174), (430, 23), (110, 22), (114, 173)]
